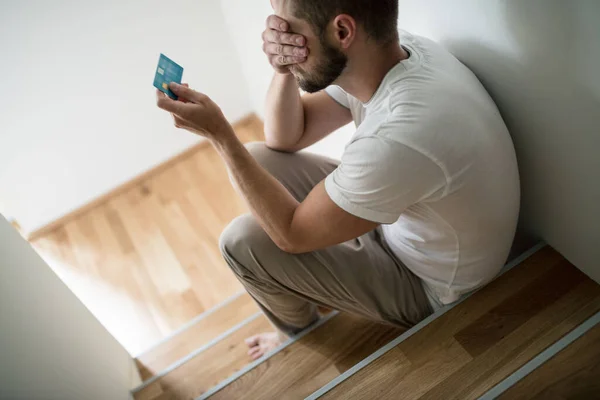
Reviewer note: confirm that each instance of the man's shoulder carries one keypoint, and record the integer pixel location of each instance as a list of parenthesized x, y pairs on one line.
[(386, 135)]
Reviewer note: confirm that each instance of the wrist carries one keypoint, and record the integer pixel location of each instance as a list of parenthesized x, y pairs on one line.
[(223, 137), (287, 74), (286, 82)]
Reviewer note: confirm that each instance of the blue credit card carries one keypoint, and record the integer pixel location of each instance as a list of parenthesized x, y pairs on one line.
[(167, 71)]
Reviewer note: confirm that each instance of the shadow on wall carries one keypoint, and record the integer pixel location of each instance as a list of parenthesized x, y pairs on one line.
[(548, 91)]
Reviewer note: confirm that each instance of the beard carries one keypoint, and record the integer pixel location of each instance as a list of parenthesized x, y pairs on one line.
[(330, 68)]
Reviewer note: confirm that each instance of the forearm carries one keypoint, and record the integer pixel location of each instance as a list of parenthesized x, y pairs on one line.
[(269, 201), (284, 113)]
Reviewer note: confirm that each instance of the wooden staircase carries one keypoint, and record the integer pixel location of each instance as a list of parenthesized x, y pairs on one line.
[(464, 351)]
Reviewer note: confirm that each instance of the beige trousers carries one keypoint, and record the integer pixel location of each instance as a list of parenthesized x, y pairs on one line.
[(360, 276)]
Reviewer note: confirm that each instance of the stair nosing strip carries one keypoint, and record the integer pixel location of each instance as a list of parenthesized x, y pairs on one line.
[(264, 358), (196, 352), (342, 377), (542, 357), (191, 323)]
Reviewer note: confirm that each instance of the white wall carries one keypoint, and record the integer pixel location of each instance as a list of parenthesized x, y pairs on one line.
[(540, 60), (78, 116), (246, 22), (51, 346)]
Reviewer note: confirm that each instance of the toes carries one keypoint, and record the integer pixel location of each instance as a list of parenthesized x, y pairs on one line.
[(252, 341), (255, 353)]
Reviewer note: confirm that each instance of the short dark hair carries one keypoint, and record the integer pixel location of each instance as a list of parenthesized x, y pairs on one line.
[(378, 17)]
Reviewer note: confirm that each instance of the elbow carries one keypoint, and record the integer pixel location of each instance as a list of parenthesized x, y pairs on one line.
[(281, 147), (290, 246), (286, 247), (275, 141)]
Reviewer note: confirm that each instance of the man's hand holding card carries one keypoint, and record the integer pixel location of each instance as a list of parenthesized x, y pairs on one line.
[(191, 110)]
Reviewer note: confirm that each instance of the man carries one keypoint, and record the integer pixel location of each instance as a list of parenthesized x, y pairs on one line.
[(422, 208)]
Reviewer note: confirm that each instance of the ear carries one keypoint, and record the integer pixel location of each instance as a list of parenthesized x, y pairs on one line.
[(344, 28)]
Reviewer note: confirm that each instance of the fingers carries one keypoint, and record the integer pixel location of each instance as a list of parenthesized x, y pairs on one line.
[(181, 98), (279, 24), (185, 93), (178, 122), (282, 47), (166, 103), (292, 39), (286, 60), (283, 50), (255, 353)]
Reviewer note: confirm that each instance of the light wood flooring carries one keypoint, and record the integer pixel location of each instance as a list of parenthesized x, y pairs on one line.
[(196, 336), (311, 362), (573, 373), (146, 261), (460, 355), (480, 342), (208, 368)]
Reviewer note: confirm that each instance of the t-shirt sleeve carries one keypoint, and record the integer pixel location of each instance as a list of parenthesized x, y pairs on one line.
[(379, 178), (337, 94)]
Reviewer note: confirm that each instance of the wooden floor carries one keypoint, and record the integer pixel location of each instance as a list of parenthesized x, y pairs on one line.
[(460, 355), (311, 362), (147, 261), (574, 373), (480, 342), (206, 369), (196, 336)]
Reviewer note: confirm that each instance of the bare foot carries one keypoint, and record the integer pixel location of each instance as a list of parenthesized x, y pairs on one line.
[(262, 344)]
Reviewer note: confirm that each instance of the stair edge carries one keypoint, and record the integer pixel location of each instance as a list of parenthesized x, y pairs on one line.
[(364, 363), (190, 324), (195, 353), (541, 358), (264, 358)]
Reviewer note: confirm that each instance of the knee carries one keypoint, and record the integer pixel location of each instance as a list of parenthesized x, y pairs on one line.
[(258, 150), (241, 244), (268, 158), (236, 237)]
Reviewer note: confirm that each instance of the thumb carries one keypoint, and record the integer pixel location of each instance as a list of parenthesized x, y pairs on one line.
[(185, 92), (181, 98)]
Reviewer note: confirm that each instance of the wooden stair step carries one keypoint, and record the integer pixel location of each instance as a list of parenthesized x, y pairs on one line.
[(312, 361), (573, 373), (478, 343), (208, 368), (208, 327)]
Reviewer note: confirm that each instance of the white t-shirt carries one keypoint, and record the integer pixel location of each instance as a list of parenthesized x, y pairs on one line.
[(432, 160)]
